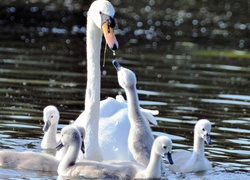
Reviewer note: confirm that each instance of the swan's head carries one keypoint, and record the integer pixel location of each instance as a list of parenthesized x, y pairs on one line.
[(71, 134), (102, 12), (126, 77), (163, 147), (50, 117), (203, 129)]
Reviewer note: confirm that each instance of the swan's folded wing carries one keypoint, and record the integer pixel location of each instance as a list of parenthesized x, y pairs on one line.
[(148, 114)]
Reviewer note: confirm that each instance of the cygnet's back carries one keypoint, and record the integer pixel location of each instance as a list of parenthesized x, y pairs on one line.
[(28, 160), (70, 139)]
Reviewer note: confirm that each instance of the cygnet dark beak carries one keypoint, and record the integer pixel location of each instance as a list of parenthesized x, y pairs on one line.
[(46, 126), (170, 160), (59, 146), (116, 65)]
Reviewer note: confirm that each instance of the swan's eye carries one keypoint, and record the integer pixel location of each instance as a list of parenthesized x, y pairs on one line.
[(164, 147), (51, 116), (203, 129), (107, 19)]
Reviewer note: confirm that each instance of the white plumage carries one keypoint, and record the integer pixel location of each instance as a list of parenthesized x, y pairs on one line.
[(185, 161)]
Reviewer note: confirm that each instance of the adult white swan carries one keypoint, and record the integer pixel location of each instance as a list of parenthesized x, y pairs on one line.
[(111, 131), (100, 20), (50, 117), (70, 139), (185, 161)]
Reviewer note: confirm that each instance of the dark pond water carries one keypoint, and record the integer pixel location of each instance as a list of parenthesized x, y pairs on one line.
[(191, 60)]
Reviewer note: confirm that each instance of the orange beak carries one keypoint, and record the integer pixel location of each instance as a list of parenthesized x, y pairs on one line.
[(110, 36)]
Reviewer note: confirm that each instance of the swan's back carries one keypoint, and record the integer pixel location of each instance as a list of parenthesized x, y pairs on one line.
[(110, 106), (28, 160), (184, 162), (113, 136), (97, 170), (180, 159)]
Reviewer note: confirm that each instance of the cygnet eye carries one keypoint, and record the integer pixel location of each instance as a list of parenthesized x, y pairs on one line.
[(51, 116), (164, 147), (203, 129)]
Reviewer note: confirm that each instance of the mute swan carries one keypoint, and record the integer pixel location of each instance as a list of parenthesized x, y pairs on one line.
[(100, 20), (106, 136), (70, 139), (112, 131), (140, 135), (50, 117), (185, 161), (28, 160)]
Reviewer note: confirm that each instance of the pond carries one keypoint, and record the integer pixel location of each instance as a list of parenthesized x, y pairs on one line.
[(191, 60)]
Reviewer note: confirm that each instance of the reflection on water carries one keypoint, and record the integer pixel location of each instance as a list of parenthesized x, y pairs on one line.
[(175, 51)]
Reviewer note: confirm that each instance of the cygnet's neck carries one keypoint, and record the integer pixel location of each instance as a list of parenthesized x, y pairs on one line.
[(198, 148), (133, 106), (70, 155), (153, 169), (92, 96), (49, 137)]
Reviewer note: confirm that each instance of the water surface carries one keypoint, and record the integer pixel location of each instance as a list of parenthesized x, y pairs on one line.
[(191, 60)]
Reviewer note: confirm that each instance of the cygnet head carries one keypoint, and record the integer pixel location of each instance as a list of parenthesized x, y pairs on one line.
[(163, 147), (71, 135), (126, 77), (50, 117), (203, 130), (102, 12)]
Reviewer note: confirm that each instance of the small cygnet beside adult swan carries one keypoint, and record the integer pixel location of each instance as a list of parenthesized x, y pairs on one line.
[(185, 161), (36, 161), (51, 118), (140, 138), (28, 160), (70, 139)]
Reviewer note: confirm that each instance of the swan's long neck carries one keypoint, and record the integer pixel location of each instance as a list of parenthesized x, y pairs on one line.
[(50, 136), (198, 146), (70, 156), (92, 97), (154, 166), (133, 106)]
